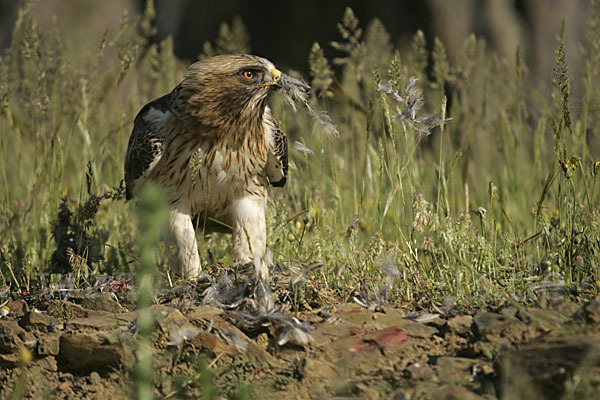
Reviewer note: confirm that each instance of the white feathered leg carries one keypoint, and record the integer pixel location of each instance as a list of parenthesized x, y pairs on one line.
[(250, 233), (183, 237)]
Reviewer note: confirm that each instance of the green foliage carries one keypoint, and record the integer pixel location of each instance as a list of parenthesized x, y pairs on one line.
[(478, 210)]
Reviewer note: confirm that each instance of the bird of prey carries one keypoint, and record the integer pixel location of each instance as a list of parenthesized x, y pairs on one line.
[(213, 146)]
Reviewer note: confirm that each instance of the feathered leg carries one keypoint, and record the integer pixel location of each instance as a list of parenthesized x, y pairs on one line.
[(250, 233), (183, 237)]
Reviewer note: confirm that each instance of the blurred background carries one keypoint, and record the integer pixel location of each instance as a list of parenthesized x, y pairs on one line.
[(285, 31)]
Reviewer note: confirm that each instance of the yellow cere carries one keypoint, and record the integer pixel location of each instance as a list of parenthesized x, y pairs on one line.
[(276, 75)]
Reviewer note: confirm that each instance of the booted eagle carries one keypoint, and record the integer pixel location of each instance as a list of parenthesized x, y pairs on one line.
[(213, 146)]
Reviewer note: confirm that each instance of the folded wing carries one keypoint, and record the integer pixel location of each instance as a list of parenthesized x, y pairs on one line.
[(277, 161), (146, 143)]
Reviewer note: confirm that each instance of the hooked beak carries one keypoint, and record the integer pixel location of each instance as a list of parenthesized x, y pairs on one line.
[(276, 74)]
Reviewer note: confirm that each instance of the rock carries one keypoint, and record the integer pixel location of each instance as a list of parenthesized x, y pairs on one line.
[(263, 340), (169, 318), (10, 360), (544, 319), (592, 311), (172, 322), (215, 345), (454, 369), (461, 324), (211, 316), (510, 312), (439, 323), (203, 315), (491, 323), (315, 370), (417, 330), (36, 320), (47, 364), (95, 378), (102, 320), (126, 318), (88, 352), (104, 323), (419, 371), (368, 392), (49, 344), (13, 337), (487, 349), (500, 330), (380, 340), (98, 301), (64, 309), (544, 366), (18, 308), (448, 392)]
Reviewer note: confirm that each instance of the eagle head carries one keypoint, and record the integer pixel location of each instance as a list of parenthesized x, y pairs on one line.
[(226, 90)]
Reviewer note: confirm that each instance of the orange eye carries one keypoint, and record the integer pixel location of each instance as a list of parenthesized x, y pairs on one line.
[(248, 74)]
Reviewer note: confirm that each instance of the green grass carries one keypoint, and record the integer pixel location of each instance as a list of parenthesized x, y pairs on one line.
[(501, 197)]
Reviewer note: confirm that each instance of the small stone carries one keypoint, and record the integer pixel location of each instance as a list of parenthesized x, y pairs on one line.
[(89, 352), (262, 340), (36, 320), (102, 323), (202, 315), (318, 370), (169, 319), (510, 312), (419, 371), (18, 308), (49, 344), (487, 369), (64, 386), (448, 392), (63, 309), (544, 365), (368, 392), (13, 337), (95, 378), (438, 323), (592, 311), (453, 369), (461, 324), (490, 323), (10, 360), (101, 302), (48, 364), (417, 330), (544, 319), (504, 345)]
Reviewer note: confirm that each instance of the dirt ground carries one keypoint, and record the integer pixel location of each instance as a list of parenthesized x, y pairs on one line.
[(83, 347)]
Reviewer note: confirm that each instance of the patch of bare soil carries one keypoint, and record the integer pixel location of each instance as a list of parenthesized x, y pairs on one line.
[(83, 347)]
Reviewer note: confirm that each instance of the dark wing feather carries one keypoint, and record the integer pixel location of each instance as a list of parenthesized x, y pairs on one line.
[(277, 161), (145, 143)]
